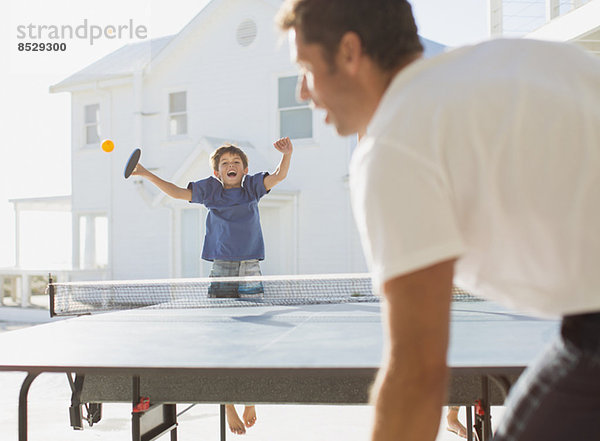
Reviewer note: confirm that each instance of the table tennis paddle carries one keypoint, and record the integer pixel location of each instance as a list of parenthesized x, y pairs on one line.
[(132, 162)]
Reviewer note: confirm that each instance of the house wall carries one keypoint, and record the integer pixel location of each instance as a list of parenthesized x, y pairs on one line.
[(231, 94)]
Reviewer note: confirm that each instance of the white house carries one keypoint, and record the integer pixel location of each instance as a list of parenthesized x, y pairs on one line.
[(226, 77), (577, 21)]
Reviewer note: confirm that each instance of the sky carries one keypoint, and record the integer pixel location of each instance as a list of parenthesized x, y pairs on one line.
[(35, 124)]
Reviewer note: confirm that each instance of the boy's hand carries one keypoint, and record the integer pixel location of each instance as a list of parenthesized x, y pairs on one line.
[(139, 170), (284, 145)]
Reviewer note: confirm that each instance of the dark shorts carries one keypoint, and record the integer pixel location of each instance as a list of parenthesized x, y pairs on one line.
[(243, 268), (558, 397)]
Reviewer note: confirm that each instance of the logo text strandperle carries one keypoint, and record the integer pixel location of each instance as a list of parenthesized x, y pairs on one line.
[(83, 31)]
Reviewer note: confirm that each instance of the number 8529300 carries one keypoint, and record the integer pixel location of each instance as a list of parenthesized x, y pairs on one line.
[(42, 47)]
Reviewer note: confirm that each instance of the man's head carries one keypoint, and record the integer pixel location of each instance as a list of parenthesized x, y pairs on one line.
[(386, 28), (344, 45), (229, 164)]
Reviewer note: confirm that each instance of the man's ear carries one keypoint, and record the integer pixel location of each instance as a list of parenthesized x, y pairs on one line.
[(350, 52)]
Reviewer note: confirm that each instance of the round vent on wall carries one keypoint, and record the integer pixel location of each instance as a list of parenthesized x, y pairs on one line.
[(246, 32)]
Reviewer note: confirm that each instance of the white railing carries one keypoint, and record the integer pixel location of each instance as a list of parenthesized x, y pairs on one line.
[(519, 17), (19, 280)]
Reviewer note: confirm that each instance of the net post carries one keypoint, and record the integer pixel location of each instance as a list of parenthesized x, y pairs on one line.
[(50, 290)]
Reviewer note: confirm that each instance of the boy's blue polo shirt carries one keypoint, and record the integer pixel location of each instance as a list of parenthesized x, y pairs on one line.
[(233, 224)]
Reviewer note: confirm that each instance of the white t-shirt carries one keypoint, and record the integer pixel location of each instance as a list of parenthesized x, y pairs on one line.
[(489, 153)]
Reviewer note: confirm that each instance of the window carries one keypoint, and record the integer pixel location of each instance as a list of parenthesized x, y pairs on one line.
[(93, 241), (295, 117), (177, 114), (91, 124)]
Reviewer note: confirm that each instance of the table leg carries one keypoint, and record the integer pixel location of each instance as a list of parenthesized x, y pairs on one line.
[(223, 422), (487, 417), (135, 417), (23, 405), (469, 412)]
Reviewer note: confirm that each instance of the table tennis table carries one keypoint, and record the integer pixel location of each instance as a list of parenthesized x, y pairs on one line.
[(302, 354)]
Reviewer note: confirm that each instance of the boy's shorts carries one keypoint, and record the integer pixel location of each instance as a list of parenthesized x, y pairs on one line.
[(243, 268)]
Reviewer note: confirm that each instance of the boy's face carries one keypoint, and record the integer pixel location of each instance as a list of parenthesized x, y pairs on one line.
[(231, 170)]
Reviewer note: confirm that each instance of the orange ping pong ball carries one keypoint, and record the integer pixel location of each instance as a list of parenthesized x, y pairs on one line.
[(108, 145)]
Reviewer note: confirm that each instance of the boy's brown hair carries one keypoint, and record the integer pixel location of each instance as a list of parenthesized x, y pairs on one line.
[(232, 150), (386, 28)]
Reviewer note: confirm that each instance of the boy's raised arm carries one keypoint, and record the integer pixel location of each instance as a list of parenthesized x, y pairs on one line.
[(166, 187), (284, 145)]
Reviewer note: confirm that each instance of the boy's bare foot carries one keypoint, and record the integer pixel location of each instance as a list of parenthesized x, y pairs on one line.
[(249, 416), (458, 429), (235, 424), (455, 426)]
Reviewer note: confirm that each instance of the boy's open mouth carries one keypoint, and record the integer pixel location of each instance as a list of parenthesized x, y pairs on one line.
[(232, 173)]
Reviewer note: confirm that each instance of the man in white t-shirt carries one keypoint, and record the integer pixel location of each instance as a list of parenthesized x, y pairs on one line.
[(481, 165)]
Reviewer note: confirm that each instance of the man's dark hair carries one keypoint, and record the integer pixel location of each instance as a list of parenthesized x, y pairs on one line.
[(386, 28)]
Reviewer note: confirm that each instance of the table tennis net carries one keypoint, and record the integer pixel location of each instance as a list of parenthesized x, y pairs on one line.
[(77, 298)]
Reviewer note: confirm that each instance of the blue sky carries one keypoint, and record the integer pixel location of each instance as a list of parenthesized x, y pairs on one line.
[(35, 149)]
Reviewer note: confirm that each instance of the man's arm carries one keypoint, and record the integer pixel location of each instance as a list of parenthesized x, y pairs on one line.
[(284, 145), (411, 386), (166, 187)]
